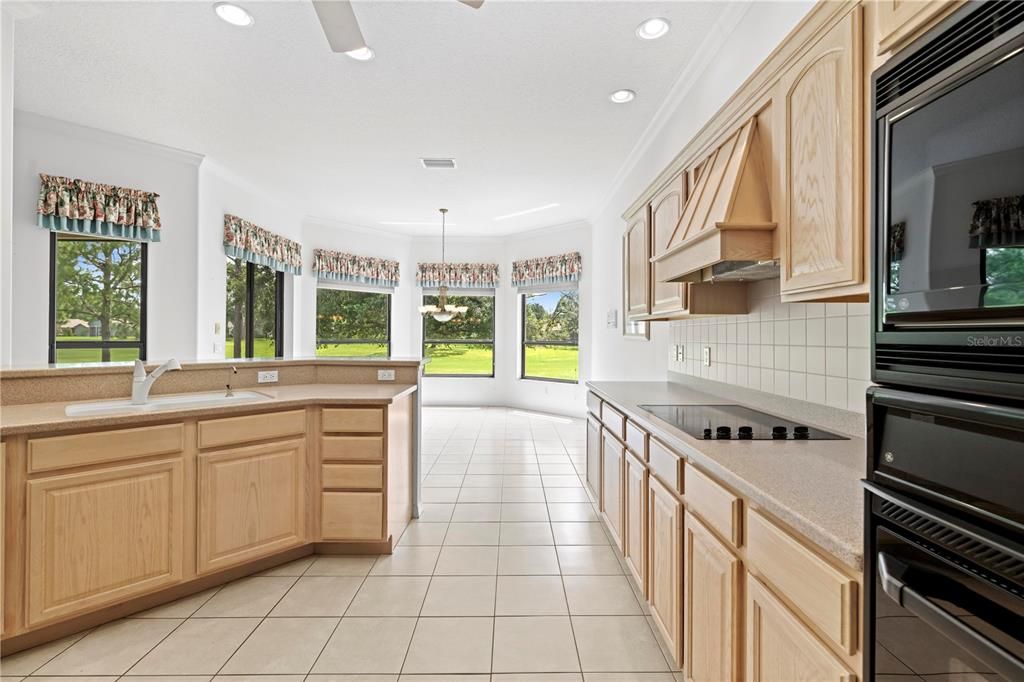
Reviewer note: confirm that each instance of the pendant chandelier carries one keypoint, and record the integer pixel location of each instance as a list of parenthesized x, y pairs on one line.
[(443, 312)]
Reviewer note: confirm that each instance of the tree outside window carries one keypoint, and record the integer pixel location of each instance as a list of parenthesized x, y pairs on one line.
[(353, 323), (463, 346), (254, 310), (550, 324)]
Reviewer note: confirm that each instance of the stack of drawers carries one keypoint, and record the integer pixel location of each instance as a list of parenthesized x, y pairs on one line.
[(353, 474)]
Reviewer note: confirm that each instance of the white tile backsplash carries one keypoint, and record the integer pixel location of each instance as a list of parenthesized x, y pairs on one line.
[(816, 352)]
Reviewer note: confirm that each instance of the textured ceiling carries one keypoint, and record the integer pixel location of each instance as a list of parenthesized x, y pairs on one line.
[(516, 92)]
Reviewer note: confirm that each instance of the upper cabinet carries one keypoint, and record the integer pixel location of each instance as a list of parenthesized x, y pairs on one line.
[(899, 21), (636, 266), (666, 207)]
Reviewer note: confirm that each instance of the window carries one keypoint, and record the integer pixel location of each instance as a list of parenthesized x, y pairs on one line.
[(353, 323), (463, 346), (255, 311), (97, 299), (551, 323)]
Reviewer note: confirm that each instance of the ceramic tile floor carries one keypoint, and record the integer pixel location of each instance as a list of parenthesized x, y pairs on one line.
[(507, 577)]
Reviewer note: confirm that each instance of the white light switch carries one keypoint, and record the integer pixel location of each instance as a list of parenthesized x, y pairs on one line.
[(385, 375), (267, 377)]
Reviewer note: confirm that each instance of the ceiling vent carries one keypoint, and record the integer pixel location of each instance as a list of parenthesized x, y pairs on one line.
[(438, 163)]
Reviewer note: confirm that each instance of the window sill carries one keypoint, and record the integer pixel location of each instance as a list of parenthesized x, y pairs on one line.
[(551, 381)]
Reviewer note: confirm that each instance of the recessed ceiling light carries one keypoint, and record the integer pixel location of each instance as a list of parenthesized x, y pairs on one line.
[(526, 212), (653, 28), (233, 14), (363, 54), (622, 96)]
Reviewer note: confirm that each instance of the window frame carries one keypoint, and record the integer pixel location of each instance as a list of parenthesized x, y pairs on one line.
[(390, 295), (523, 343), (54, 345), (250, 305), (493, 342)]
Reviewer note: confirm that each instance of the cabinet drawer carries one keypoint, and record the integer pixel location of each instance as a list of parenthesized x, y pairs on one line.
[(216, 432), (715, 505), (666, 464), (352, 516), (826, 597), (594, 404), (61, 452), (353, 420), (614, 421), (353, 476), (636, 440), (351, 447)]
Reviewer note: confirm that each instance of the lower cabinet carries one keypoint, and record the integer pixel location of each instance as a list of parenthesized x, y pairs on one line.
[(712, 576), (352, 516), (613, 454), (780, 647), (100, 537), (635, 510), (594, 461), (250, 503), (665, 564)]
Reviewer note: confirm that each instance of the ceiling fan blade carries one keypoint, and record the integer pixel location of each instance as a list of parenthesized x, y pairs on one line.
[(340, 25), (475, 4)]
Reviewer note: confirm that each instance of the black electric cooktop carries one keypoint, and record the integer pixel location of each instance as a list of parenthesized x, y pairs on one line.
[(734, 422)]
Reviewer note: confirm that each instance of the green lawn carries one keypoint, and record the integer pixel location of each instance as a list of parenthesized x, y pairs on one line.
[(353, 350), (459, 358), (261, 348), (78, 355), (553, 362)]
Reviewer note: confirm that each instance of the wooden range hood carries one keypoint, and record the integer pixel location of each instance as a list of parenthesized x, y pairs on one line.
[(728, 215)]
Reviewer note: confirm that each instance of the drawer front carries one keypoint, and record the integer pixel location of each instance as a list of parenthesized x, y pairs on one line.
[(353, 476), (666, 464), (217, 432), (353, 420), (636, 440), (715, 505), (61, 452), (351, 448), (594, 404), (614, 421), (825, 596), (352, 516)]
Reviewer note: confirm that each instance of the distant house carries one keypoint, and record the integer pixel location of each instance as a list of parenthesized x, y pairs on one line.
[(76, 327)]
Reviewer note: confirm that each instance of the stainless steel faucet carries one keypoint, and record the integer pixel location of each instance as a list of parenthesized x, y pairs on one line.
[(230, 392), (141, 382)]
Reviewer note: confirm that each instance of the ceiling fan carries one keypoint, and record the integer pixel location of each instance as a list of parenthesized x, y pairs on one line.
[(341, 27)]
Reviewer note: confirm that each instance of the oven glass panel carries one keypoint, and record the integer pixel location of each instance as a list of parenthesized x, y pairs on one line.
[(956, 188)]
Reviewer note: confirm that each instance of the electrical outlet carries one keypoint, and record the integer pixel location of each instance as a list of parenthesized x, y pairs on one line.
[(680, 352), (385, 375), (706, 356), (269, 377)]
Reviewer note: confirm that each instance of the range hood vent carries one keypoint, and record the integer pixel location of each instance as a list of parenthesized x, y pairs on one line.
[(727, 217), (744, 270)]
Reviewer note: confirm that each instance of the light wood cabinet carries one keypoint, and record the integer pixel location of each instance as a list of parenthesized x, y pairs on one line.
[(780, 647), (634, 544), (712, 606), (353, 516), (637, 266), (250, 503), (100, 537), (665, 565), (613, 458), (666, 206), (900, 21), (820, 108), (594, 459)]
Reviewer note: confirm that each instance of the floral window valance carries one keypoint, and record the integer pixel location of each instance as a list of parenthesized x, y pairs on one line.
[(561, 269), (998, 222), (348, 267), (80, 207), (457, 275), (255, 244)]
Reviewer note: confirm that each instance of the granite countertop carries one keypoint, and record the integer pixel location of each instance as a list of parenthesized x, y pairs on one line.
[(814, 486), (33, 418)]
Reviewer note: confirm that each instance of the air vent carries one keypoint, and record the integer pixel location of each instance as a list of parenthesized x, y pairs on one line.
[(1008, 363), (438, 163), (991, 20)]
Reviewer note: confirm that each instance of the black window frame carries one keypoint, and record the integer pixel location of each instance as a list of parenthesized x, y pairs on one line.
[(250, 305), (55, 345), (390, 296), (523, 343), (493, 342)]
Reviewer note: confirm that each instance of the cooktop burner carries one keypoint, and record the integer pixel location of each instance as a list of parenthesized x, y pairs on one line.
[(734, 422)]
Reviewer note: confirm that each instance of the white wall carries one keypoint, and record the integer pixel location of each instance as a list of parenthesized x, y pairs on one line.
[(6, 182)]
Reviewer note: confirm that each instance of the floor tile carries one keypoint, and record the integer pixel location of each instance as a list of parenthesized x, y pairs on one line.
[(442, 495), (292, 568), (526, 534), (519, 512), (389, 596), (579, 534), (317, 596), (200, 646), (449, 468), (367, 645), (467, 561), (482, 481), (460, 596), (572, 481), (469, 512), (534, 644), (522, 495), (450, 645), (578, 511), (281, 646), (159, 678), (420, 533), (560, 469), (588, 560), (537, 677), (527, 560), (76, 678), (442, 481), (600, 595), (335, 565), (28, 661), (549, 447), (472, 534), (566, 495), (246, 598), (110, 649), (631, 677), (480, 495), (617, 644), (521, 481), (407, 560), (530, 596), (436, 512)]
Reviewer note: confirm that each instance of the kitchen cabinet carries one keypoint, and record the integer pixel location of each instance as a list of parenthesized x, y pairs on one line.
[(780, 647), (634, 544), (819, 103), (712, 577), (667, 298), (637, 266), (353, 516), (900, 21), (665, 565), (250, 502), (613, 459), (594, 458)]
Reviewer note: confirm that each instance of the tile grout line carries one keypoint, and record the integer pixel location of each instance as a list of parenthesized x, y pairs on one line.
[(340, 618)]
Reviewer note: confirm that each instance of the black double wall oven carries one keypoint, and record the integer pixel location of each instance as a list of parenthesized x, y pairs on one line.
[(944, 512)]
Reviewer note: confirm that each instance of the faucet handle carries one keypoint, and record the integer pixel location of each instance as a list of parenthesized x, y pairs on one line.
[(140, 370)]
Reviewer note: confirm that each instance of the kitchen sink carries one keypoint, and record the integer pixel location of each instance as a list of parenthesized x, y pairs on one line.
[(184, 401)]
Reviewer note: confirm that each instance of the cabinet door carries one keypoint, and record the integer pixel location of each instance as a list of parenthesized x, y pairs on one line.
[(822, 230), (102, 536), (611, 488), (711, 603), (901, 20), (636, 265), (665, 564), (666, 207), (780, 647), (594, 459), (635, 542), (250, 502)]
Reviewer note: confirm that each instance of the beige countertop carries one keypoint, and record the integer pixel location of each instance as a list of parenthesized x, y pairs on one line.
[(814, 486), (35, 418)]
